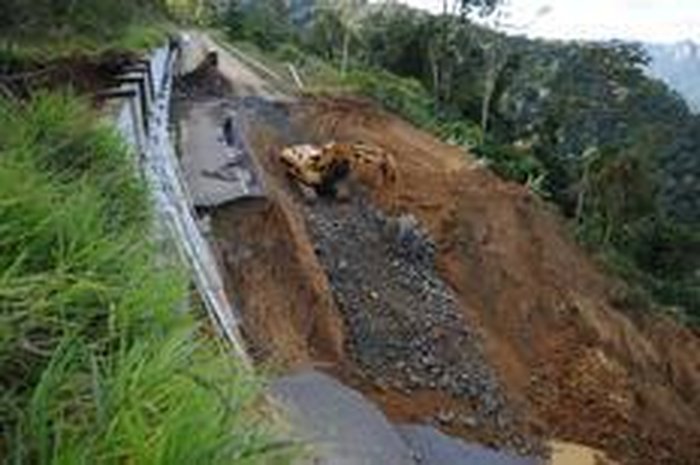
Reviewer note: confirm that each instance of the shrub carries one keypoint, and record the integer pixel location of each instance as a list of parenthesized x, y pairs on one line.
[(98, 362), (511, 163), (39, 29), (462, 133), (668, 255), (404, 96)]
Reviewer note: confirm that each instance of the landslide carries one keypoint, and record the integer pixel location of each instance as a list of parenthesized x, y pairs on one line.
[(572, 355), (272, 275)]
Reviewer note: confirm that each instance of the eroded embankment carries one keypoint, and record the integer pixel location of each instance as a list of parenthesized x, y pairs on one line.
[(514, 303), (272, 274)]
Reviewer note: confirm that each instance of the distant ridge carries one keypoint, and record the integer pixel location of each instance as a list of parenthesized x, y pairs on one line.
[(679, 66)]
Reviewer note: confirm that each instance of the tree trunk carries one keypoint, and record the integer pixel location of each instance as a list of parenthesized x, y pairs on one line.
[(580, 204), (346, 53), (486, 104), (583, 190), (435, 69), (609, 228)]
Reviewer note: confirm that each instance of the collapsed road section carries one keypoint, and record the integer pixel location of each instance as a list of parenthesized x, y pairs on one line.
[(140, 108), (209, 126), (224, 170), (322, 275)]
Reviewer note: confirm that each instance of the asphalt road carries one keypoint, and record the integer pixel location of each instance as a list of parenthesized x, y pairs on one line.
[(344, 428), (216, 160)]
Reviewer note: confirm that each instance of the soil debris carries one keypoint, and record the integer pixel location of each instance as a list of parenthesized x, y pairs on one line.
[(404, 325), (452, 273), (204, 82)]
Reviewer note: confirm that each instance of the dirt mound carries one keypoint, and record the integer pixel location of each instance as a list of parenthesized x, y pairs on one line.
[(203, 82), (524, 307)]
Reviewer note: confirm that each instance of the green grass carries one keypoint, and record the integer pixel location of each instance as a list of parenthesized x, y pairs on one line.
[(405, 97), (99, 364), (135, 38), (43, 30)]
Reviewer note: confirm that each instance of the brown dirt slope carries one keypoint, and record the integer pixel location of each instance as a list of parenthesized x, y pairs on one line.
[(581, 366), (273, 277), (591, 372)]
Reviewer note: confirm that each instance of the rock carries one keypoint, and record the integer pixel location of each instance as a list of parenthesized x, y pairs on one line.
[(444, 381), (415, 319), (342, 193), (308, 194), (436, 448), (470, 421), (445, 417)]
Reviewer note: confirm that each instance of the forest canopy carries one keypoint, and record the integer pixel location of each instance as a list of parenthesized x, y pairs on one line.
[(581, 123)]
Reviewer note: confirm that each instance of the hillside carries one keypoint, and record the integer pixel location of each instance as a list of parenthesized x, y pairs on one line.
[(570, 358), (580, 123), (562, 277), (351, 235)]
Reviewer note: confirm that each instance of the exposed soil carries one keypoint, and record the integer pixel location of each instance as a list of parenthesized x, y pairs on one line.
[(516, 301), (84, 75), (273, 277), (492, 287), (404, 326), (203, 82)]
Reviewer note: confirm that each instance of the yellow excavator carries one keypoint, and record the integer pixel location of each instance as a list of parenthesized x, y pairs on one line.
[(323, 167)]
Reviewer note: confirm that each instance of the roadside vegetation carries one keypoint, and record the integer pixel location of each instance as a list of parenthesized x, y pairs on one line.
[(101, 358), (105, 354), (580, 124), (45, 29)]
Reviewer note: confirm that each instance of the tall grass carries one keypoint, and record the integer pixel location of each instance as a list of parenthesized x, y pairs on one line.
[(98, 362), (37, 30)]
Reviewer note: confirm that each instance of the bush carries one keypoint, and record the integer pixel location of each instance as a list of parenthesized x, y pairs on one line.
[(668, 255), (43, 28), (511, 163), (462, 133), (404, 96), (264, 23), (98, 362)]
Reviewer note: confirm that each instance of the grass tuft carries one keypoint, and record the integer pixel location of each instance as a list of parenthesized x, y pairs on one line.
[(98, 363), (43, 30)]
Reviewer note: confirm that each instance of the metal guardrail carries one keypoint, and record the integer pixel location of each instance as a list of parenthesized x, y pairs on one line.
[(141, 116)]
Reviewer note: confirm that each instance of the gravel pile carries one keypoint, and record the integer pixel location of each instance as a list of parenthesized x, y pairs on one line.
[(404, 325)]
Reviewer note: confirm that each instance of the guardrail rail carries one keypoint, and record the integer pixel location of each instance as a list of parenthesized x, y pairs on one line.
[(140, 110)]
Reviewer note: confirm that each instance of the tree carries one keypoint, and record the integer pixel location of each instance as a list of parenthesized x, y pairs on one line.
[(349, 15), (496, 56), (496, 48), (444, 54), (325, 36), (265, 22), (479, 7)]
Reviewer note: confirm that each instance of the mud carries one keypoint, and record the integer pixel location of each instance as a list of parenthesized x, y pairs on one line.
[(518, 307), (354, 289), (203, 82), (272, 275)]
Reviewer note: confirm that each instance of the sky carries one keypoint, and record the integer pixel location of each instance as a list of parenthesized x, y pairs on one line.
[(638, 20)]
